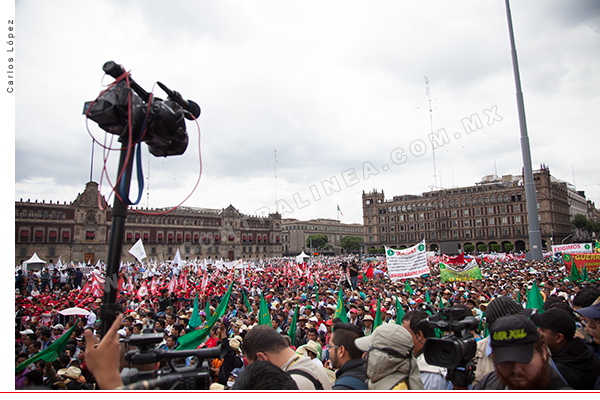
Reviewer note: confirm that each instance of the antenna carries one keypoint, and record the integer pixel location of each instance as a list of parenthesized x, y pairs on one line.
[(431, 124), (276, 202), (148, 186), (573, 171)]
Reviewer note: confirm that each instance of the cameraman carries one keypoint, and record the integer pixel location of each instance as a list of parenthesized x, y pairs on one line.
[(433, 377)]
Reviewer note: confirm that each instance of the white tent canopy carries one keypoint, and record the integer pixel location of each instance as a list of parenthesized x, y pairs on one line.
[(34, 263), (300, 258)]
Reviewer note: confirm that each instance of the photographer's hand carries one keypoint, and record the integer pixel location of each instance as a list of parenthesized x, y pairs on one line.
[(103, 360)]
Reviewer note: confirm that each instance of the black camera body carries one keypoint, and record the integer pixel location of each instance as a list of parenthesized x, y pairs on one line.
[(455, 351), (196, 376), (159, 123)]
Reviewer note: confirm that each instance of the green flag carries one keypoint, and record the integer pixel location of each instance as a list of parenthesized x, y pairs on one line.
[(427, 298), (575, 276), (399, 312), (407, 288), (292, 329), (585, 274), (364, 278), (195, 321), (195, 338), (248, 306), (264, 317), (50, 353), (378, 321), (207, 309), (316, 290), (340, 312), (534, 299)]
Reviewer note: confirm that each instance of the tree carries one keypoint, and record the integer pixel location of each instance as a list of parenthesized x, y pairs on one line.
[(495, 247), (509, 247), (318, 241), (582, 226), (469, 248), (351, 243), (481, 247)]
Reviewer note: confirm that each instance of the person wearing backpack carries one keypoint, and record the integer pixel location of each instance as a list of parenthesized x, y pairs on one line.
[(351, 371), (391, 364)]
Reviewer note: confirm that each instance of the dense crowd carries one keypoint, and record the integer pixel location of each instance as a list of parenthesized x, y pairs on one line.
[(332, 323)]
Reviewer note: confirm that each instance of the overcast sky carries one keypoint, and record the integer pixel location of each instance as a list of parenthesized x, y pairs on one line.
[(336, 88)]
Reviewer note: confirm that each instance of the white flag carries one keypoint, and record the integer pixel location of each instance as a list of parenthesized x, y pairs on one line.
[(177, 260), (137, 250)]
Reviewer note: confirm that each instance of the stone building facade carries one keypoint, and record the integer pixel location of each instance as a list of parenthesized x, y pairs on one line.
[(296, 232), (80, 231), (493, 211)]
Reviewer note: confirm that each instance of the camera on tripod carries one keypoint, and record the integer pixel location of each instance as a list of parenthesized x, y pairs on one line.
[(457, 350), (159, 123), (176, 375)]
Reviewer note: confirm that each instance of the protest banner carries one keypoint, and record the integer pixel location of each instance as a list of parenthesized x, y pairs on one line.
[(407, 263), (471, 272)]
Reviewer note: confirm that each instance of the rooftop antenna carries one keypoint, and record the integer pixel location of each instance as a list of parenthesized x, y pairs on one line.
[(276, 202), (573, 170), (148, 186), (495, 169), (431, 124)]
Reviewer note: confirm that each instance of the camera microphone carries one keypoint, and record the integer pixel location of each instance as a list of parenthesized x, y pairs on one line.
[(188, 105)]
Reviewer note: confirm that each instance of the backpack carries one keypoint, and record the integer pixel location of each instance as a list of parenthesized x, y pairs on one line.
[(352, 382), (318, 385)]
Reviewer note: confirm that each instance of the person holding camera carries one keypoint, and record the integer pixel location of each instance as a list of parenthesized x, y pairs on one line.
[(433, 376)]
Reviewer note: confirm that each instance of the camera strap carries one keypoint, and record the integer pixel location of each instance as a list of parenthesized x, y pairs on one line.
[(137, 154)]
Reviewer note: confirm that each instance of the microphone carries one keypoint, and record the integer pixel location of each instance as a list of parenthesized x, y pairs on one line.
[(188, 105)]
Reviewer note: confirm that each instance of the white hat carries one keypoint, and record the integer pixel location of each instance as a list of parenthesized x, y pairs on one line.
[(26, 332)]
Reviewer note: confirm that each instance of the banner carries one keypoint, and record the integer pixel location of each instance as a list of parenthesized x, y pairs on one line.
[(471, 272), (407, 263), (589, 261), (573, 248)]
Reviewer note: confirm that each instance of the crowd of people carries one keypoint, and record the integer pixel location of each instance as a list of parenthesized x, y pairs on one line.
[(329, 323)]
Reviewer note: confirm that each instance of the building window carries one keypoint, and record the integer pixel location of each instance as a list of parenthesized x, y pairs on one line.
[(466, 212), (491, 221), (504, 220), (517, 219), (490, 210)]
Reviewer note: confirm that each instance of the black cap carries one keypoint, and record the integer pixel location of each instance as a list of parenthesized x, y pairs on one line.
[(501, 306), (513, 339), (557, 319)]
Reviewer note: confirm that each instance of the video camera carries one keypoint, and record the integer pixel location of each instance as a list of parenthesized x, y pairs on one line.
[(158, 123), (196, 376), (457, 350)]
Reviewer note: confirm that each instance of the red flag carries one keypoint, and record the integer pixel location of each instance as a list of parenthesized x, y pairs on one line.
[(460, 259), (143, 291), (172, 286), (153, 287), (369, 272)]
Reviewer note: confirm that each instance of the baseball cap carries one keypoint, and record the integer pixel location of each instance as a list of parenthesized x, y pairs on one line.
[(26, 332), (592, 311), (387, 336), (513, 339), (557, 319)]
